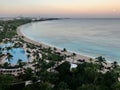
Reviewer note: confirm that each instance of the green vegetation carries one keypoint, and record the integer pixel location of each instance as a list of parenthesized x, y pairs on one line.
[(5, 81), (50, 70), (9, 28), (85, 77)]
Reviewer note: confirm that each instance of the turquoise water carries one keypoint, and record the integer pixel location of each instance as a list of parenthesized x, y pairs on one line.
[(17, 53), (90, 37)]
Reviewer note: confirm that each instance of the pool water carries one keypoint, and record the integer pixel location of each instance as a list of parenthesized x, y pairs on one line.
[(17, 53)]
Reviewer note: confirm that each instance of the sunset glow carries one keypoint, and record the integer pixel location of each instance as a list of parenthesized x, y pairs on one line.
[(61, 7)]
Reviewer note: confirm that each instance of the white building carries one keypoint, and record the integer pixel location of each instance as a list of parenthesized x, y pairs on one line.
[(1, 28)]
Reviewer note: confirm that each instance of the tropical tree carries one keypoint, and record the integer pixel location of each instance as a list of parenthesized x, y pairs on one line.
[(28, 56), (64, 50), (6, 81), (73, 56), (8, 48), (9, 57), (114, 64), (6, 65), (64, 68), (91, 59), (54, 49), (62, 86), (49, 50), (101, 62), (20, 63), (45, 86), (28, 73)]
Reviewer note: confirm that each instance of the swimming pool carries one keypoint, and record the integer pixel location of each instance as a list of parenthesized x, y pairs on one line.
[(17, 53)]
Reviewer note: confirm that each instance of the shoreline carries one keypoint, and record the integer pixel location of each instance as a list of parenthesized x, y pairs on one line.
[(27, 39), (77, 57)]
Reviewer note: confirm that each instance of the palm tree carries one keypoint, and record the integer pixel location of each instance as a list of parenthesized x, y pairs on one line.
[(22, 37), (91, 60), (6, 65), (9, 57), (73, 56), (101, 61), (114, 65), (28, 56), (64, 50), (54, 49), (49, 50), (19, 62), (8, 48)]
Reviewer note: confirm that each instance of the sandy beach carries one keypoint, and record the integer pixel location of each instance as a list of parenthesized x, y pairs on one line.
[(78, 56)]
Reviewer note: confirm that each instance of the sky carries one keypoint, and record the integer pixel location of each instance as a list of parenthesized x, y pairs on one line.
[(60, 8)]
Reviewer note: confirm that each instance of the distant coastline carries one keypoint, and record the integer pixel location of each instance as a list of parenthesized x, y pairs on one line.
[(78, 55), (27, 39)]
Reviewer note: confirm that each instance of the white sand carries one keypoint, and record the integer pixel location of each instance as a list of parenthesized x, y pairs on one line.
[(77, 57), (46, 46)]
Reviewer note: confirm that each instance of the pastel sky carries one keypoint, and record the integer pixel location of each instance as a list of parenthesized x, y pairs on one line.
[(61, 8)]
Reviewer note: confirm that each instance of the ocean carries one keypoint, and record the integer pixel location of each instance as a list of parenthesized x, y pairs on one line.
[(88, 37)]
